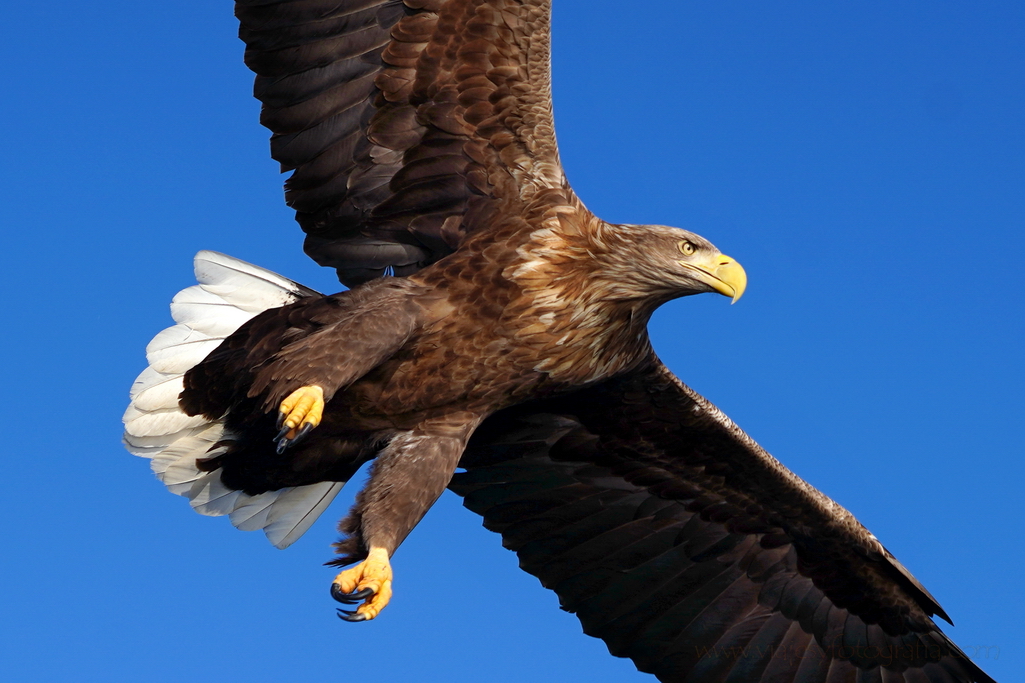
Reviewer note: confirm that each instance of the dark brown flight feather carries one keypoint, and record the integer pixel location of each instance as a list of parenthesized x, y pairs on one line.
[(687, 548), (404, 122)]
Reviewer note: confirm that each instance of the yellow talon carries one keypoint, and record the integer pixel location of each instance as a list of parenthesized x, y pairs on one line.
[(374, 574), (304, 406)]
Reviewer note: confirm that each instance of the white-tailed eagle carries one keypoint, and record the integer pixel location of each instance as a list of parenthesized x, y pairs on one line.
[(495, 325)]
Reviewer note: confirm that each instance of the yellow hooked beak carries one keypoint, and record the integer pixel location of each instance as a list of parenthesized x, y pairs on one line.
[(722, 274)]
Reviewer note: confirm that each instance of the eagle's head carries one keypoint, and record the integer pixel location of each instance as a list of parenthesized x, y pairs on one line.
[(658, 263)]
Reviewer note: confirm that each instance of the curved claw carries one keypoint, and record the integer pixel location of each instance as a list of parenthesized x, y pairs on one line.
[(351, 617), (301, 434), (350, 598)]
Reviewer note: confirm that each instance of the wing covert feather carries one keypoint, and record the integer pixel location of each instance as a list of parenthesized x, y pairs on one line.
[(686, 547), (405, 123)]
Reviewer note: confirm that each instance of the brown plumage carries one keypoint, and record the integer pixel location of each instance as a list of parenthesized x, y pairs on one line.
[(514, 345)]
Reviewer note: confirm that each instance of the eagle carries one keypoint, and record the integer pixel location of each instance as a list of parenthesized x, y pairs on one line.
[(493, 340)]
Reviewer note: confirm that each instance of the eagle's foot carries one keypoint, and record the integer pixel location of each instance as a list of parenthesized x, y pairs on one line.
[(369, 581), (298, 414)]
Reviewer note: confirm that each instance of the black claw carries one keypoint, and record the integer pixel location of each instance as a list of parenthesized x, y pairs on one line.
[(281, 420), (284, 442), (337, 594), (351, 616), (350, 598), (360, 595), (306, 428)]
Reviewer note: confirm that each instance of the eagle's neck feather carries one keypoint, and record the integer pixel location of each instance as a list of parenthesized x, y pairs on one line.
[(587, 322)]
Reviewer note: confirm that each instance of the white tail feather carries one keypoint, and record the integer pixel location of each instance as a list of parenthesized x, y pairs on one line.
[(148, 379), (181, 474), (251, 514), (192, 307), (159, 422), (230, 292), (160, 396), (147, 446), (296, 511), (208, 496), (175, 336), (248, 287), (180, 358)]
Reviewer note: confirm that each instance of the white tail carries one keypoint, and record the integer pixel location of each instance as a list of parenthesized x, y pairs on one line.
[(229, 293)]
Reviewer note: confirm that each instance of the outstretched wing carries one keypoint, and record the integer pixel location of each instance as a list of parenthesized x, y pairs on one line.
[(686, 547), (406, 124)]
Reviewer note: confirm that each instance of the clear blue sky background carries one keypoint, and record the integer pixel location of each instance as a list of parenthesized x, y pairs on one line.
[(864, 161)]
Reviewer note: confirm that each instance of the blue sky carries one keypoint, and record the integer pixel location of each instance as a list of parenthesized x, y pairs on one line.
[(866, 164)]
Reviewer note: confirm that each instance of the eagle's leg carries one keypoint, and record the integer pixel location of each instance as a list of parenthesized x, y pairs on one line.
[(407, 477), (298, 414)]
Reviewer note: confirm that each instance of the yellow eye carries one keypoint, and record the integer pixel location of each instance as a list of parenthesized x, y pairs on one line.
[(687, 248)]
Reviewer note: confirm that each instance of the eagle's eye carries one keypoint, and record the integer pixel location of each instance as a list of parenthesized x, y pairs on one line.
[(687, 248)]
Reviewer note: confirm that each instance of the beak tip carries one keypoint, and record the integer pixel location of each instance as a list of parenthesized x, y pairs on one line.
[(734, 276)]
